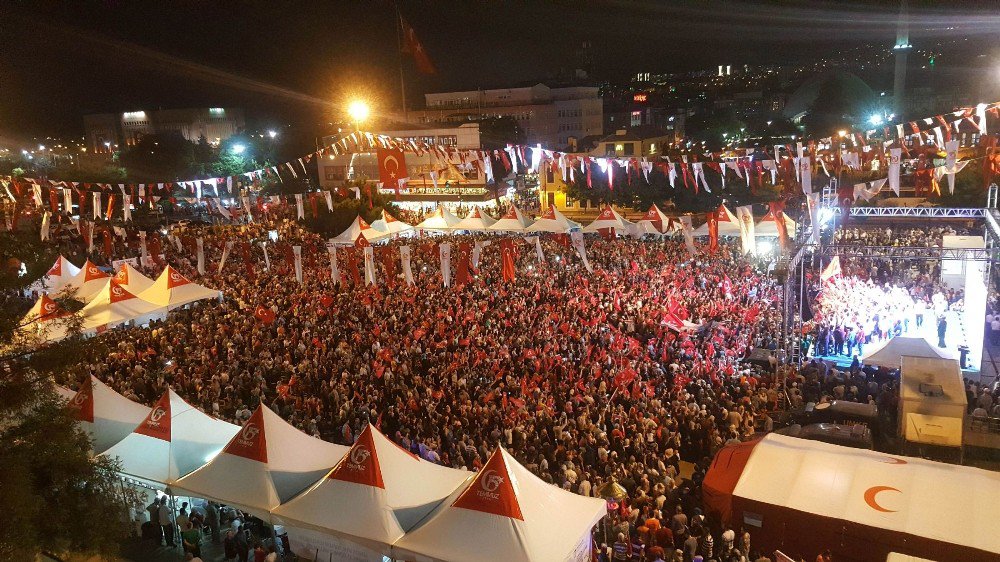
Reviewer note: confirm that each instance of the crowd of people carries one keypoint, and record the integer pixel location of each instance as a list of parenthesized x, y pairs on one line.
[(579, 375)]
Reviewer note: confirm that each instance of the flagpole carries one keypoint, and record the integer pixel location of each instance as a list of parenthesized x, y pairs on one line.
[(399, 53)]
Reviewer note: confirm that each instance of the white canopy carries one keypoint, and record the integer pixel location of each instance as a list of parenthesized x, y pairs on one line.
[(131, 279), (768, 227), (173, 440), (108, 417), (391, 224), (477, 220), (46, 319), (890, 353), (506, 513), (440, 219), (267, 463), (513, 221), (172, 290), (64, 393), (552, 221), (609, 218), (375, 494), (932, 401), (728, 224), (113, 305), (57, 276), (87, 282), (358, 227)]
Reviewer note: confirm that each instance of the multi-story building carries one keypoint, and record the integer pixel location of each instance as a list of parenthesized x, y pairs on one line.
[(106, 132), (547, 115)]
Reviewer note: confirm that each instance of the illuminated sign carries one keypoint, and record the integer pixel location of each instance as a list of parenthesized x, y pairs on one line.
[(134, 115), (641, 98)]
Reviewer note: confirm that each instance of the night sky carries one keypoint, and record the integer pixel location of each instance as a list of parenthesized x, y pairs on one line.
[(292, 61)]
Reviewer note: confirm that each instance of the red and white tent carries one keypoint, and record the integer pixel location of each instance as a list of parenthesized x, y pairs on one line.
[(113, 305), (131, 279), (87, 282), (46, 319), (267, 463), (505, 513), (373, 496), (513, 221), (552, 221), (477, 220), (440, 219), (174, 439), (609, 218), (768, 227), (728, 224), (654, 218), (391, 224), (108, 417), (804, 496), (172, 290), (358, 227), (57, 276)]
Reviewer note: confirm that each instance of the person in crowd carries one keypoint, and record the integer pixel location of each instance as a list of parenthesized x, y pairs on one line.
[(166, 521)]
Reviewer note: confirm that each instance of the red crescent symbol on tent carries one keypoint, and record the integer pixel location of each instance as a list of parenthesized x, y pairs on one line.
[(870, 494), (893, 460)]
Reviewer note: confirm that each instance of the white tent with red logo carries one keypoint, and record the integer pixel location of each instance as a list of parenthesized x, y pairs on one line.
[(767, 226), (552, 221), (267, 463), (371, 498), (391, 224), (804, 496), (131, 279), (609, 218), (513, 221), (654, 221), (114, 305), (477, 220), (172, 290), (505, 513), (174, 439), (87, 282), (46, 320), (729, 225), (358, 227), (57, 276), (440, 219), (108, 417)]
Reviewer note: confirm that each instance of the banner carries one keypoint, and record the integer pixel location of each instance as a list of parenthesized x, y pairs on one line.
[(688, 230), (894, 154), (300, 212), (463, 273), (813, 202), (45, 226), (127, 207), (951, 157), (805, 173), (744, 215), (225, 255), (201, 255), (96, 205), (538, 247), (445, 251), (267, 259), (576, 237), (391, 166), (67, 201), (404, 258), (477, 250), (143, 251), (713, 233), (369, 256), (334, 268), (507, 259), (329, 200), (297, 252)]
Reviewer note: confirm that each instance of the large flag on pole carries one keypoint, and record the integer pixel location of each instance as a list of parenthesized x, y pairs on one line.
[(413, 47)]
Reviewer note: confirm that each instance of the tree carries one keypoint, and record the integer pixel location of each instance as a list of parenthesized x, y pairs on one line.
[(54, 496), (160, 157)]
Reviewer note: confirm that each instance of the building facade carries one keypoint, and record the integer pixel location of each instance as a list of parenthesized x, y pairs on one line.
[(547, 116), (107, 132)]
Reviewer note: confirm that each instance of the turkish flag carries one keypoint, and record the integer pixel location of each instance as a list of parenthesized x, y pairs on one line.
[(413, 47), (507, 255), (713, 233), (391, 167), (463, 275), (264, 315)]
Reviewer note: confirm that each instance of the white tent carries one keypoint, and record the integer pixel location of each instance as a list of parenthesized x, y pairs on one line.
[(728, 224), (477, 220), (46, 319), (64, 393), (654, 221), (440, 219), (131, 279), (375, 494), (87, 282), (768, 227), (172, 290), (113, 305), (552, 221), (391, 224), (57, 276), (891, 352), (358, 227), (932, 401), (173, 440), (506, 513), (513, 221), (267, 463), (609, 218), (108, 417)]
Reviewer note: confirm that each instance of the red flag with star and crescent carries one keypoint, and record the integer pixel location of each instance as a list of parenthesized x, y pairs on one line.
[(391, 167), (413, 47)]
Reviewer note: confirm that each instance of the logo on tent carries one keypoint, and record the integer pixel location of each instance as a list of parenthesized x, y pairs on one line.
[(251, 441), (122, 276), (156, 415), (49, 308), (492, 491), (358, 457), (361, 465), (82, 404), (157, 422), (489, 484), (56, 269), (92, 270)]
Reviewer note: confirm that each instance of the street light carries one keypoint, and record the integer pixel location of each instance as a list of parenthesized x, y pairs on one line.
[(358, 110), (238, 148), (272, 133)]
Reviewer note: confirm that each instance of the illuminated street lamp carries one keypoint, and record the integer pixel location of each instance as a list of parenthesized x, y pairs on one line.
[(238, 148), (272, 133), (358, 111)]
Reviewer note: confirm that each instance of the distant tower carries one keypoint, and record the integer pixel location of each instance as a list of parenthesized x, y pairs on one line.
[(900, 50)]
